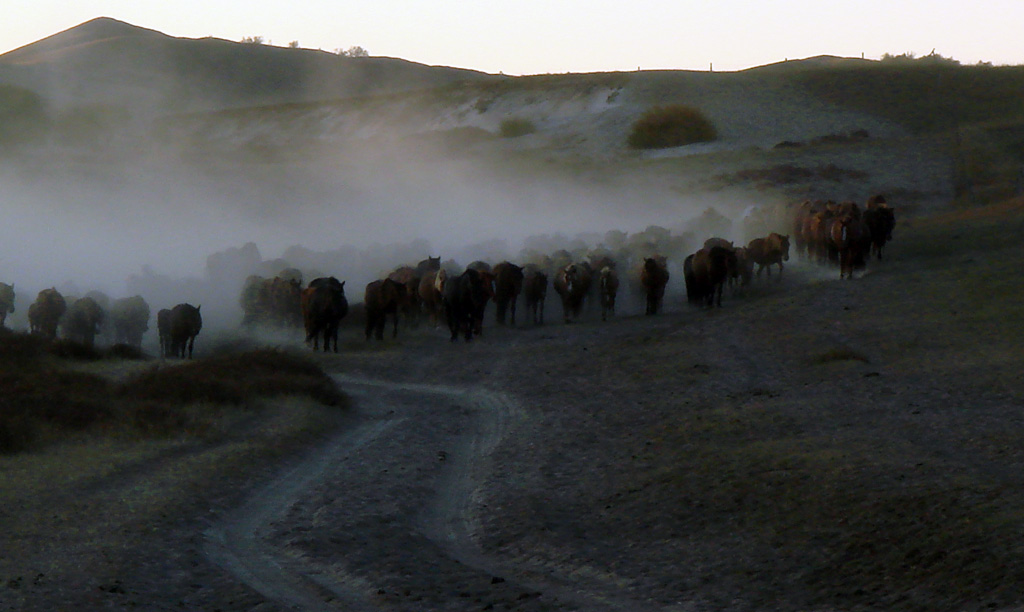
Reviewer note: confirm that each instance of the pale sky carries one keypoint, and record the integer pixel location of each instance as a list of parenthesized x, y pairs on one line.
[(552, 36)]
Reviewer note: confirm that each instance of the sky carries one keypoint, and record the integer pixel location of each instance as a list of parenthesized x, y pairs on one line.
[(557, 36)]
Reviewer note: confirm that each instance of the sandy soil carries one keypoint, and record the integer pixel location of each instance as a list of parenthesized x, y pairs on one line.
[(814, 444)]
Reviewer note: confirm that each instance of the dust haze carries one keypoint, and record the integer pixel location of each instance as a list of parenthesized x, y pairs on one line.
[(146, 219)]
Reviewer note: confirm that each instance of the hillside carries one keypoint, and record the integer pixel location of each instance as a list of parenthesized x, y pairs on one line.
[(105, 61)]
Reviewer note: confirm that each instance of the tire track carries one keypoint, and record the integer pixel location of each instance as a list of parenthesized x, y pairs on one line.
[(239, 543)]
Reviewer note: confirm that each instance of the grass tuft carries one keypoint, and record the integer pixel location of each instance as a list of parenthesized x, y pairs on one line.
[(671, 126)]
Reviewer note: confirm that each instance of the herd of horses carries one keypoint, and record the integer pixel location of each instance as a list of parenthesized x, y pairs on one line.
[(843, 234), (82, 319)]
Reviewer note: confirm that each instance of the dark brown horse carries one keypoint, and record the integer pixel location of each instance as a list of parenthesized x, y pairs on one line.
[(535, 290), (465, 297), (508, 284), (45, 313), (881, 220), (706, 273), (382, 298), (323, 307), (654, 277), (163, 327), (185, 324)]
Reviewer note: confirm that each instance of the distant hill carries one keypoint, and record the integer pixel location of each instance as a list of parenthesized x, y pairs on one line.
[(109, 62)]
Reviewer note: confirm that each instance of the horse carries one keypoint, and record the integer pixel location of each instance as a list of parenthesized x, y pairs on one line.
[(44, 314), (773, 249), (431, 293), (82, 321), (535, 290), (847, 234), (608, 288), (185, 322), (410, 303), (383, 298), (323, 307), (508, 284), (6, 301), (744, 267), (572, 284), (163, 326), (272, 301), (654, 277), (706, 273), (130, 318), (881, 220), (464, 300)]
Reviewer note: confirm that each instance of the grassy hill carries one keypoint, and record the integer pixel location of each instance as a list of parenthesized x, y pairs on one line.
[(105, 61)]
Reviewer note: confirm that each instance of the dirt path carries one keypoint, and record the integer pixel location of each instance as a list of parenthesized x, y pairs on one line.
[(261, 545)]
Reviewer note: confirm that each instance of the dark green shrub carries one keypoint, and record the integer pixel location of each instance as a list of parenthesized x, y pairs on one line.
[(515, 127), (671, 126)]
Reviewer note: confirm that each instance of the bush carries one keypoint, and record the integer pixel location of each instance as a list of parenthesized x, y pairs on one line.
[(43, 400), (671, 126), (515, 127)]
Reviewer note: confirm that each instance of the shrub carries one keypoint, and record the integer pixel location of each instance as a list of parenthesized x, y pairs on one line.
[(671, 126), (515, 127)]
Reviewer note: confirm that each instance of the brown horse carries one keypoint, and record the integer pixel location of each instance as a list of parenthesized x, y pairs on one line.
[(768, 251), (847, 237), (508, 284), (272, 301), (185, 324), (83, 320), (608, 288), (45, 313), (323, 307), (6, 301), (130, 317), (572, 284), (535, 290), (654, 277), (382, 298)]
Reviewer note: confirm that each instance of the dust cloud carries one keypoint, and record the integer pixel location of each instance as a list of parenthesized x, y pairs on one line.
[(189, 225)]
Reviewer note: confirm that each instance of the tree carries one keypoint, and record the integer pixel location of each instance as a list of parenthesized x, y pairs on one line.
[(355, 51), (252, 40), (293, 44)]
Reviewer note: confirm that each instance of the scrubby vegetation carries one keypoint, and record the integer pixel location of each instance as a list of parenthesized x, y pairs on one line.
[(43, 399), (671, 126), (514, 127)]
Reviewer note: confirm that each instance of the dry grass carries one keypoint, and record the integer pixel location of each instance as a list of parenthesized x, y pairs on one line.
[(45, 398)]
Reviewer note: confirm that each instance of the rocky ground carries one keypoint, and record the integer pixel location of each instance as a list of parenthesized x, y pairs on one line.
[(813, 444)]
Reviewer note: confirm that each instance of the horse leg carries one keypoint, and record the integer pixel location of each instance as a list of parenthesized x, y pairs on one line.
[(394, 332)]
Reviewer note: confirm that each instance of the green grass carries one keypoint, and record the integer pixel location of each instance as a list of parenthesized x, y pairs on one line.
[(515, 127), (923, 97)]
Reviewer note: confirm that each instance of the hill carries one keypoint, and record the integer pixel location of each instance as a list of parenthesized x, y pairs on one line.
[(105, 61)]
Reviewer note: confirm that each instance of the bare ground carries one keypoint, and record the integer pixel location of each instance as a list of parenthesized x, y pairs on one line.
[(814, 444)]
